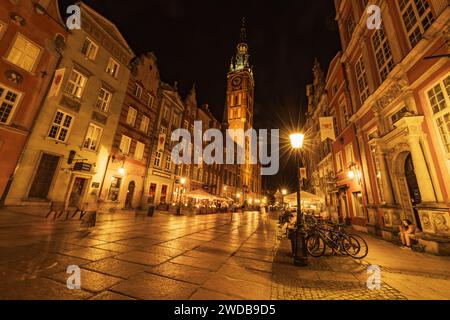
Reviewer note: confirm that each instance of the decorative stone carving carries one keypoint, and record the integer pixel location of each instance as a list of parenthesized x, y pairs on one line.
[(17, 19), (98, 117), (391, 94), (70, 103), (13, 76)]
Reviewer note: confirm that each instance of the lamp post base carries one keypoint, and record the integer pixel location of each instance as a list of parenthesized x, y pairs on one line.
[(300, 252)]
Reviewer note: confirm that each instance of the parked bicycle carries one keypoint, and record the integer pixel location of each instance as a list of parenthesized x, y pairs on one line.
[(322, 236)]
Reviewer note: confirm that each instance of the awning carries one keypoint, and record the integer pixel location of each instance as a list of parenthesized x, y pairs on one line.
[(199, 194), (305, 197)]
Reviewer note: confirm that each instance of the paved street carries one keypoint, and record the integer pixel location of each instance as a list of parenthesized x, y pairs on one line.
[(195, 257)]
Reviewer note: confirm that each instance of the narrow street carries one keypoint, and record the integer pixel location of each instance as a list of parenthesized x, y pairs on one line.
[(196, 257)]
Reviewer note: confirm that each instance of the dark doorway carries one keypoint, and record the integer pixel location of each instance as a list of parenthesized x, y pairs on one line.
[(76, 196), (413, 186), (130, 193), (44, 176)]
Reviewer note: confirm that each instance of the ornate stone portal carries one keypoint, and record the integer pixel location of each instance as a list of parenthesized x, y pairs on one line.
[(418, 204)]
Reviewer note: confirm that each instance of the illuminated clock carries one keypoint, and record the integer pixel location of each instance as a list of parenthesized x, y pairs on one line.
[(236, 82)]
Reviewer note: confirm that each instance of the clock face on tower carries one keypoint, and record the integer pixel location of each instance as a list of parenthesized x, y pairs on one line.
[(236, 82)]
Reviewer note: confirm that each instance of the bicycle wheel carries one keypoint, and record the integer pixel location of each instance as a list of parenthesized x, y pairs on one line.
[(343, 243), (315, 245), (363, 248), (350, 245)]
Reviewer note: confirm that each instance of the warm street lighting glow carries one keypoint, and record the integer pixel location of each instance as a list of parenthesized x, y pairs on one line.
[(297, 140), (284, 192), (122, 171), (238, 195), (351, 174), (183, 180)]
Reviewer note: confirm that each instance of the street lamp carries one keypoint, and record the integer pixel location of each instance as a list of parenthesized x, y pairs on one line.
[(183, 182), (300, 254)]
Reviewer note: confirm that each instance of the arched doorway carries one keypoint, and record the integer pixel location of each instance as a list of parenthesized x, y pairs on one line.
[(130, 194), (408, 188), (413, 187)]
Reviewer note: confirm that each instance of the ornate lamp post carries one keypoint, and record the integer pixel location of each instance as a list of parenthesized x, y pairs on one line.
[(300, 253)]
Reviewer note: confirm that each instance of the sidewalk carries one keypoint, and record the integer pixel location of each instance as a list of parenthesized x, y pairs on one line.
[(196, 257)]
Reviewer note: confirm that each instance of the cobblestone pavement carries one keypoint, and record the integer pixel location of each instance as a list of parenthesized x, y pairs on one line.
[(192, 257)]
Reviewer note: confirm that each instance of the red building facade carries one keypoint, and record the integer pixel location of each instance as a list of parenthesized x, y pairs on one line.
[(399, 117), (31, 36)]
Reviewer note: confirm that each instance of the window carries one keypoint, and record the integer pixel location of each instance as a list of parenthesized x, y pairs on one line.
[(150, 101), (168, 162), (157, 162), (145, 122), (358, 204), (383, 53), (24, 53), (152, 193), (93, 137), (186, 124), (166, 114), (164, 130), (139, 152), (399, 114), (175, 121), (104, 100), (76, 83), (350, 26), (131, 116), (339, 162), (114, 189), (112, 67), (349, 156), (9, 100), (163, 197), (138, 91), (439, 99), (344, 115), (125, 144), (61, 126), (361, 76), (89, 49), (417, 18)]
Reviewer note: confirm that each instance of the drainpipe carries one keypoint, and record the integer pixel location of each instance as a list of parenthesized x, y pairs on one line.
[(104, 177)]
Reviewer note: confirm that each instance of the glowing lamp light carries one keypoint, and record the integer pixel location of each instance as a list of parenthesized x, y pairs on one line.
[(284, 192), (183, 180), (122, 171), (239, 195), (351, 174), (297, 140)]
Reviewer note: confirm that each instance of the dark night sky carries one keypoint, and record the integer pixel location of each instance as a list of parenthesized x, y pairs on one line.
[(195, 39)]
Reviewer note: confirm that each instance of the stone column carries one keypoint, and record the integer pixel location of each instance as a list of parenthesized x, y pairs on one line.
[(388, 192)]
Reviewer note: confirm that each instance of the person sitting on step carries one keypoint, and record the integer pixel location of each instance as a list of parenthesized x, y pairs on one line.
[(407, 233)]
